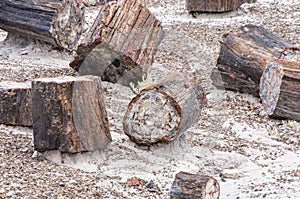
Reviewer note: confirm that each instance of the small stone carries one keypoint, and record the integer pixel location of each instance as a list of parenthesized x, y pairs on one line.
[(230, 173)]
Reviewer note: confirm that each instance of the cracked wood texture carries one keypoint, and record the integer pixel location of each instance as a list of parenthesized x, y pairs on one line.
[(243, 57), (57, 22), (69, 114), (15, 103), (214, 5), (160, 112), (280, 89), (121, 44), (191, 186)]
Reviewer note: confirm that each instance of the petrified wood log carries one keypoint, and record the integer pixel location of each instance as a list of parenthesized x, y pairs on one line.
[(160, 112), (244, 56), (190, 186), (280, 89), (214, 5), (15, 103), (122, 40), (57, 22), (69, 114)]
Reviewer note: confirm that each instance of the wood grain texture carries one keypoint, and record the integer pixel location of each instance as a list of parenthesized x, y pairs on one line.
[(128, 33), (280, 89), (59, 23), (214, 5), (15, 103), (162, 111), (191, 186), (243, 57), (69, 114)]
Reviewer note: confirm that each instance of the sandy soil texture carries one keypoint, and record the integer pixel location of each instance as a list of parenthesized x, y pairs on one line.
[(234, 141)]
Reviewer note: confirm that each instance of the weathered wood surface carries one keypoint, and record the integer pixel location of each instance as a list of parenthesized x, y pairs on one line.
[(69, 114), (160, 112), (15, 103), (280, 89), (123, 39), (244, 56), (214, 5), (192, 186), (57, 22)]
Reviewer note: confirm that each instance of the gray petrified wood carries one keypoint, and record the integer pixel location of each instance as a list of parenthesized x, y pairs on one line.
[(160, 112)]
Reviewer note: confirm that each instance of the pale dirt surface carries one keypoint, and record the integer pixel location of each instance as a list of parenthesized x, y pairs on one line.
[(251, 155)]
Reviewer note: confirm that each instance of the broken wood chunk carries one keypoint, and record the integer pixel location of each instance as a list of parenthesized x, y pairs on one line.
[(160, 112), (15, 103), (243, 57), (190, 186), (69, 114), (214, 5), (280, 89), (121, 44), (59, 23)]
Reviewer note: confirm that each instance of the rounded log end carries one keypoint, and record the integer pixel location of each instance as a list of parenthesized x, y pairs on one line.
[(152, 116), (67, 24), (269, 87)]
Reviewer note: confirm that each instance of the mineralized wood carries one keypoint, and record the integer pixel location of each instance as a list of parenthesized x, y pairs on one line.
[(280, 89), (191, 186), (160, 112), (121, 43), (214, 5), (243, 57), (15, 103), (57, 22), (69, 114)]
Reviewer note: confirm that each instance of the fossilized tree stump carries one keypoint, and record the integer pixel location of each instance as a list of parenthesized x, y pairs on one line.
[(121, 43), (280, 89), (214, 5), (244, 56), (57, 22), (160, 112), (69, 114), (15, 103), (191, 186)]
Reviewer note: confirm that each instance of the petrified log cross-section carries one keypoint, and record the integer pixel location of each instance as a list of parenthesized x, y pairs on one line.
[(280, 89), (57, 22), (244, 56), (122, 40), (162, 111), (214, 5), (15, 103), (69, 114), (190, 186)]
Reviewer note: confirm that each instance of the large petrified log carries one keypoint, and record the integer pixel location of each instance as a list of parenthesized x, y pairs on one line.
[(121, 43), (190, 186), (244, 56), (15, 103), (214, 5), (57, 22), (280, 89), (160, 112), (69, 114)]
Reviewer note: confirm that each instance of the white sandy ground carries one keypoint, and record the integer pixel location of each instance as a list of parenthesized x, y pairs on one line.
[(249, 154)]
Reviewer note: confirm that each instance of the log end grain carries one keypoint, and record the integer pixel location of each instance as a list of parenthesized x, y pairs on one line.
[(269, 87), (69, 114), (152, 116), (191, 186), (67, 24), (15, 103), (280, 89)]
